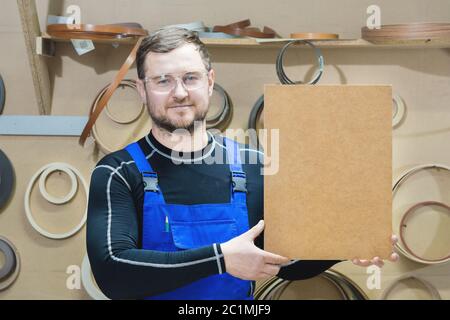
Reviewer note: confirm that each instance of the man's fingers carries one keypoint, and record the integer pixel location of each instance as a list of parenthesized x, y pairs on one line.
[(394, 239), (394, 257), (255, 231), (362, 263), (378, 262), (273, 258)]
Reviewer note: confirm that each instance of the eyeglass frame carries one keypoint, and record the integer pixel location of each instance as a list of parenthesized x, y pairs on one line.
[(177, 78)]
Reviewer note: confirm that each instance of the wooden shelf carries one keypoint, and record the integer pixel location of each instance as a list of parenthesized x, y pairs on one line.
[(275, 43), (41, 44)]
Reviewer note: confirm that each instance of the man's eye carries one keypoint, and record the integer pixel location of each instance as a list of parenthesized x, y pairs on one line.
[(191, 77), (162, 81)]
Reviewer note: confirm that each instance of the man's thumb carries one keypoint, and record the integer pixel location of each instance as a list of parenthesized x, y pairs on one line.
[(256, 230)]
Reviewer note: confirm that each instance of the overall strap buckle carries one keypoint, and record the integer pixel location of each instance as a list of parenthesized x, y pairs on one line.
[(239, 181), (150, 180)]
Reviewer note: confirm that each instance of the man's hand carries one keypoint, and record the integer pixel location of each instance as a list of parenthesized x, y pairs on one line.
[(246, 261), (376, 260)]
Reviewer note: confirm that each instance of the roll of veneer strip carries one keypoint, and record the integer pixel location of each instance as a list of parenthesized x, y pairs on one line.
[(102, 32), (321, 287), (278, 289), (7, 179), (2, 94), (314, 36), (46, 170), (43, 189), (348, 286), (219, 119), (264, 290), (11, 268), (434, 293), (404, 224), (242, 28), (405, 250), (411, 31), (126, 83), (253, 120), (398, 110), (280, 69)]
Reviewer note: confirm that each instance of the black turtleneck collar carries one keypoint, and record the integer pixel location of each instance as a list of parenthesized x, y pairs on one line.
[(153, 143)]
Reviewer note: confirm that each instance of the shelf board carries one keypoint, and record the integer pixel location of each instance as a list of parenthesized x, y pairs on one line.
[(275, 43)]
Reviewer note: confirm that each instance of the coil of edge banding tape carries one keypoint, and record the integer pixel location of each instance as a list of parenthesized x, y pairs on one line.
[(399, 245), (2, 94), (99, 142), (253, 119), (124, 83), (88, 283), (272, 289), (351, 290), (287, 290), (280, 69), (398, 110), (220, 119), (403, 226), (430, 288), (314, 36), (53, 199), (7, 179), (11, 268), (45, 171)]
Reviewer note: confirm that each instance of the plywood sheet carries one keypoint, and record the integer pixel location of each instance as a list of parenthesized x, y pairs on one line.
[(331, 197)]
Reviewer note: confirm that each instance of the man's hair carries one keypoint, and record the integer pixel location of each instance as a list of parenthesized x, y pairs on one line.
[(167, 39)]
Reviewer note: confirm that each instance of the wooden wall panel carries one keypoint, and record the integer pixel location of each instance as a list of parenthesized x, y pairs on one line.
[(420, 76)]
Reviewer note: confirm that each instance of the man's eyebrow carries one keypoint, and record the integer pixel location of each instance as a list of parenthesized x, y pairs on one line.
[(174, 73)]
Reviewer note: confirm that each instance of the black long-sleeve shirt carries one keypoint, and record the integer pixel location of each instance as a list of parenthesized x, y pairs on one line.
[(122, 269)]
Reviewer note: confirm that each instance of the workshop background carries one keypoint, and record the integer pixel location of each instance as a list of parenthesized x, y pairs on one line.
[(419, 75)]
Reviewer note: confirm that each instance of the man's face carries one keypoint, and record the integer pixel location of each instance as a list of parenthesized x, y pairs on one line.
[(179, 108)]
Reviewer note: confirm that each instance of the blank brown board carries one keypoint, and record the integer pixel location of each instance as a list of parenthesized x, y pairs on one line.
[(331, 197)]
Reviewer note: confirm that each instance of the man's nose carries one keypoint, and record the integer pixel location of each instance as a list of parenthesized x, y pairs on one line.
[(180, 91)]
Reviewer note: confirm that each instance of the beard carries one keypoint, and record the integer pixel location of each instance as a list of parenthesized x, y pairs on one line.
[(164, 122)]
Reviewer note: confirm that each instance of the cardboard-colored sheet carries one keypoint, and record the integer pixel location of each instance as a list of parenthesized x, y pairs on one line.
[(331, 197)]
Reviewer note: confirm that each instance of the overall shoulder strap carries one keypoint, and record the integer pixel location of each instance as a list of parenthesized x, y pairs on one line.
[(139, 157), (149, 176), (238, 176)]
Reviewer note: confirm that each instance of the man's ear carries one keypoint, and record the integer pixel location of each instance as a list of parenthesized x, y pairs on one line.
[(211, 79), (140, 86)]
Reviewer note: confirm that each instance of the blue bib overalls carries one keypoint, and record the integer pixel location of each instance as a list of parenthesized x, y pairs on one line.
[(175, 227)]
